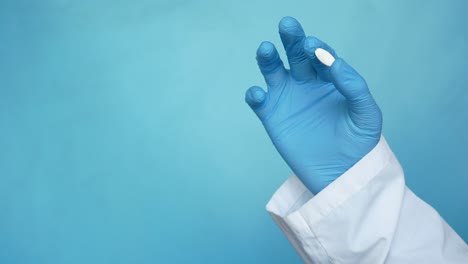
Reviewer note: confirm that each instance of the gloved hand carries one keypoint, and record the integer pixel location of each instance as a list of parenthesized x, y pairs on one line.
[(322, 120)]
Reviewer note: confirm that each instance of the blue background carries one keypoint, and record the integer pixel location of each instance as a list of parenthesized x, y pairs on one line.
[(124, 137)]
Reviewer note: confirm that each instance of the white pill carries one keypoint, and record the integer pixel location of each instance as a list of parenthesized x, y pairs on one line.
[(324, 57)]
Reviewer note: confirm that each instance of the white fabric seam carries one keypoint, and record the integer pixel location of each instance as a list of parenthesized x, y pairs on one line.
[(351, 195)]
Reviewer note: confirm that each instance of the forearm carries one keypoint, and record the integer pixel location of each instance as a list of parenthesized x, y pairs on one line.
[(367, 215)]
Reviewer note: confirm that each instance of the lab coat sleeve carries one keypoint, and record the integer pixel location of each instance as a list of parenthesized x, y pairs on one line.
[(367, 215)]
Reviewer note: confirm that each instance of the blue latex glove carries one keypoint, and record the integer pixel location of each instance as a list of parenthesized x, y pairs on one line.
[(321, 119)]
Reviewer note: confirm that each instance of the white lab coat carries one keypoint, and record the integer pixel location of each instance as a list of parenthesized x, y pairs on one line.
[(367, 215)]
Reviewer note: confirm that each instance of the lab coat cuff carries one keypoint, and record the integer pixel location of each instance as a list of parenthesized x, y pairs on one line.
[(294, 204)]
